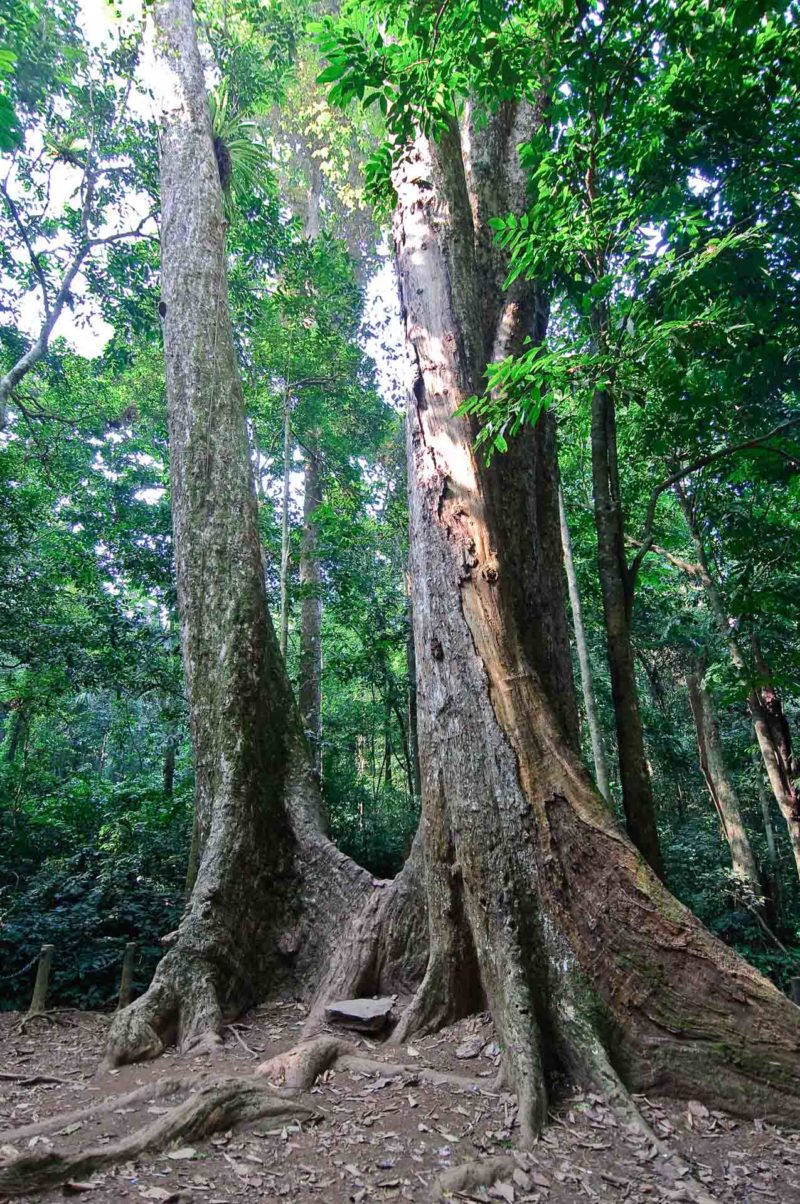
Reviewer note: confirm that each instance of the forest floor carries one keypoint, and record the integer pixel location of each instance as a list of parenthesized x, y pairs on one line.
[(381, 1137)]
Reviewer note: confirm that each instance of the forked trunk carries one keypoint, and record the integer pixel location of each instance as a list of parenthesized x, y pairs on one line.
[(719, 783), (536, 901)]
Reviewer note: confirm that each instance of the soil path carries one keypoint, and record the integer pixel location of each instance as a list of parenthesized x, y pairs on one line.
[(381, 1138)]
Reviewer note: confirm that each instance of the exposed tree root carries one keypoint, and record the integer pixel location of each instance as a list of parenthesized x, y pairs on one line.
[(51, 1124), (25, 1080), (52, 1016), (298, 1068), (181, 1000), (218, 1104), (482, 1172)]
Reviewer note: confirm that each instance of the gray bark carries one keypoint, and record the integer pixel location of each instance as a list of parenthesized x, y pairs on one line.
[(310, 689), (718, 780), (285, 527), (616, 587), (270, 891), (537, 903), (584, 661), (778, 770)]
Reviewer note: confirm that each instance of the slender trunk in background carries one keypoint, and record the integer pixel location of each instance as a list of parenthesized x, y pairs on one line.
[(310, 689), (585, 664), (637, 792), (310, 685), (764, 796), (411, 671), (388, 752), (774, 880), (16, 727), (168, 768), (285, 528), (769, 730), (718, 781), (270, 892)]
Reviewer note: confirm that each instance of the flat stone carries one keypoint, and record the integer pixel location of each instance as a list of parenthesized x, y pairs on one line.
[(470, 1048), (365, 1015)]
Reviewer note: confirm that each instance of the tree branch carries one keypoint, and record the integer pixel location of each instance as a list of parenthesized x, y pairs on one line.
[(38, 348), (36, 262), (686, 566), (646, 542)]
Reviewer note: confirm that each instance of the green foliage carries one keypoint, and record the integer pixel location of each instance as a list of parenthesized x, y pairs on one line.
[(123, 884), (662, 221)]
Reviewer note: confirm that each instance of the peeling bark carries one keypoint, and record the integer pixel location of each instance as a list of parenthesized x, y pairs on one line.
[(542, 904)]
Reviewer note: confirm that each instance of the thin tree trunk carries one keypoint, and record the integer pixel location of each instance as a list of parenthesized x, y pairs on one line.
[(637, 793), (285, 526), (718, 781), (774, 751), (769, 831), (168, 768), (411, 670), (584, 662), (310, 692)]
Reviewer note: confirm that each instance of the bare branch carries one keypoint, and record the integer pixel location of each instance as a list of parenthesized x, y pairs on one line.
[(36, 262), (686, 566), (53, 312)]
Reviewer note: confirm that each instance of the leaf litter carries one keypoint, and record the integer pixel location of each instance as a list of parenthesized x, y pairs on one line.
[(383, 1137)]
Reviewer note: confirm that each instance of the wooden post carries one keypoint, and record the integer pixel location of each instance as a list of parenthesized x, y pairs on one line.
[(794, 988), (42, 980), (126, 981)]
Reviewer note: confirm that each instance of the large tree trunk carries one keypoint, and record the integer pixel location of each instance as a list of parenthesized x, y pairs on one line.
[(637, 793), (270, 892), (536, 901), (310, 689), (584, 661), (718, 781), (763, 703)]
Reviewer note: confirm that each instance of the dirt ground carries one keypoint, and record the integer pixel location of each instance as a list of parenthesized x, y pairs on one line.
[(381, 1137)]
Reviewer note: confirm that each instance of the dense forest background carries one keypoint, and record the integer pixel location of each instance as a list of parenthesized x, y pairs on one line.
[(690, 319)]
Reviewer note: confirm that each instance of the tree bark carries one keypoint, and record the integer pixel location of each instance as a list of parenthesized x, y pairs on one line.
[(270, 892), (414, 786), (637, 793), (718, 780), (536, 901), (584, 662), (285, 526), (769, 724), (168, 767), (310, 692)]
